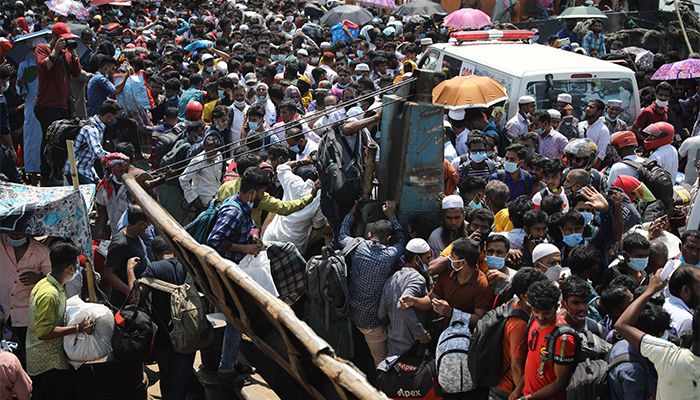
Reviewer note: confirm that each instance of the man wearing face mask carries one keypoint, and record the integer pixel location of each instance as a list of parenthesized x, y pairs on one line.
[(520, 123), (262, 97), (658, 144), (497, 247), (111, 197), (299, 144), (47, 362), (88, 143), (633, 260), (576, 293), (518, 180), (655, 112), (23, 263), (475, 163), (551, 143), (612, 117), (405, 326), (684, 297), (546, 257)]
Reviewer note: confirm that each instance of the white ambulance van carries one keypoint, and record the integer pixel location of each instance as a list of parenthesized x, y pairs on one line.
[(540, 71)]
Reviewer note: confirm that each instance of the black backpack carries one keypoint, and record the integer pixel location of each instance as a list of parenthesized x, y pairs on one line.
[(409, 376), (166, 140), (589, 381), (528, 180), (176, 154), (656, 179), (486, 347), (326, 287), (55, 151), (134, 330), (342, 182)]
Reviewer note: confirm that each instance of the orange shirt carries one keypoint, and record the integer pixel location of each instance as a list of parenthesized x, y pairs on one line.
[(539, 374), (474, 294), (514, 347)]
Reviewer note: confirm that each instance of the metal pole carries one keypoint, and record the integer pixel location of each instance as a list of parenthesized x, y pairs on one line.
[(76, 186)]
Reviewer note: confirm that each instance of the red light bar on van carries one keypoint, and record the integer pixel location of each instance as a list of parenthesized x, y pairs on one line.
[(580, 76), (492, 34)]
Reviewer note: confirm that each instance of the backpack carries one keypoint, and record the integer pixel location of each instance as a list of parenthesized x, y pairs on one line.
[(326, 287), (528, 180), (134, 334), (176, 154), (465, 166), (166, 141), (452, 355), (342, 182), (504, 295), (486, 347), (55, 151), (408, 376), (190, 329), (656, 179), (202, 225), (589, 380)]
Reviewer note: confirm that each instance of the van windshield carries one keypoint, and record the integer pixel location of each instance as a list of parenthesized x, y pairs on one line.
[(584, 90)]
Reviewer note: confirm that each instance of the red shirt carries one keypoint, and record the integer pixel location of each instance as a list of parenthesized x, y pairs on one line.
[(53, 83), (650, 115), (539, 374), (514, 347)]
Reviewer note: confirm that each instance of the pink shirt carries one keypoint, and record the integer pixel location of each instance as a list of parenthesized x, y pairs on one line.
[(14, 295), (13, 380)]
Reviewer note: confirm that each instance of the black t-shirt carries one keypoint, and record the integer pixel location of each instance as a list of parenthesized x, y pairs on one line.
[(171, 271), (121, 249)]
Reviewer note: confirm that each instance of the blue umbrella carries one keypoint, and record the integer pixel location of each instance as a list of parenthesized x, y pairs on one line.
[(199, 44)]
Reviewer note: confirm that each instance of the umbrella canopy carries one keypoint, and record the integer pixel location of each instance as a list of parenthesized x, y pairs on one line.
[(117, 3), (686, 69), (24, 44), (67, 7), (312, 10), (419, 7), (356, 14), (380, 3), (467, 18), (582, 12), (471, 91)]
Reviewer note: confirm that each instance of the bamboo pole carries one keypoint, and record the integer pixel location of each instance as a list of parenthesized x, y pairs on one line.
[(680, 21), (76, 186), (367, 186)]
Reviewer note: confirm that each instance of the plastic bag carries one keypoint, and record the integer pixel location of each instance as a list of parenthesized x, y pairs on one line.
[(82, 347), (136, 95), (338, 34), (258, 268)]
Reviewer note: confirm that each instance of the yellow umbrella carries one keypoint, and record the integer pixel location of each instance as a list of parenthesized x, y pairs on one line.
[(470, 91)]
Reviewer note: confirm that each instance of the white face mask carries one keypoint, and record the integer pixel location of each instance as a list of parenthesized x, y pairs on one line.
[(239, 104), (553, 273), (661, 103)]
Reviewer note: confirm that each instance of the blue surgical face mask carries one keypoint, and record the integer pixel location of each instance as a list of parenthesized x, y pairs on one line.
[(510, 167), (17, 242), (221, 94), (360, 53), (253, 125), (474, 205), (665, 336), (539, 131), (478, 157), (587, 217), (75, 273), (638, 264), (573, 240), (251, 203), (495, 262), (295, 149)]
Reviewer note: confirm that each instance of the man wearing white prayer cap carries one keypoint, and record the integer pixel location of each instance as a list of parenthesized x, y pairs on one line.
[(459, 126), (520, 124), (569, 123), (612, 117), (554, 117), (405, 326), (453, 224), (547, 258)]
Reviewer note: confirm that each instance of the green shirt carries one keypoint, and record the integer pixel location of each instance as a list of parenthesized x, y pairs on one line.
[(47, 309)]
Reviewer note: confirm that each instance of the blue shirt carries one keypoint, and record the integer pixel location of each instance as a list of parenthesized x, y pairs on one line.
[(372, 264), (517, 188), (88, 149), (592, 42), (233, 225), (99, 88), (188, 96), (564, 34), (632, 380)]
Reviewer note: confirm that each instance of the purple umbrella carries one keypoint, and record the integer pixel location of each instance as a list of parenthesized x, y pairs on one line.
[(380, 3), (66, 7), (686, 69), (467, 18)]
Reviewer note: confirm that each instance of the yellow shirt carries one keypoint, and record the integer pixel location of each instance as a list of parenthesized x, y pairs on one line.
[(47, 309), (502, 222), (268, 203), (208, 109)]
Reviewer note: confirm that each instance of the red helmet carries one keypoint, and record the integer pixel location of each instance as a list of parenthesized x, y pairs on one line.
[(194, 111), (661, 133)]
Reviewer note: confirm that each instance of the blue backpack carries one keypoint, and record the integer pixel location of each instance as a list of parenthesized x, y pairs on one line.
[(201, 227)]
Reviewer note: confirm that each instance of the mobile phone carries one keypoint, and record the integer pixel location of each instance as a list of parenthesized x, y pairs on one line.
[(565, 41)]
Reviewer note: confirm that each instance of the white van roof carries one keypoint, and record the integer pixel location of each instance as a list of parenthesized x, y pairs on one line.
[(519, 59)]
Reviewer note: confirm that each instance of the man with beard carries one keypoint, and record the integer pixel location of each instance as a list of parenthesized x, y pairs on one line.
[(576, 293), (684, 297), (453, 226)]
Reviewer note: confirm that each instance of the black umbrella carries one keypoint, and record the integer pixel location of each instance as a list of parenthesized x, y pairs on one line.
[(312, 10), (356, 14), (419, 7)]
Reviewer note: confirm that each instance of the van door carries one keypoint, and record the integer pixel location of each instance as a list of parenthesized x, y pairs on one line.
[(430, 60)]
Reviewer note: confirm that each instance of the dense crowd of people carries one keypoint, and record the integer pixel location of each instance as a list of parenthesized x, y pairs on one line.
[(574, 222)]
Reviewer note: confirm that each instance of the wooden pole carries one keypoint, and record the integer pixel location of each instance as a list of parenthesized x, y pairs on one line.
[(367, 186), (76, 186), (685, 34)]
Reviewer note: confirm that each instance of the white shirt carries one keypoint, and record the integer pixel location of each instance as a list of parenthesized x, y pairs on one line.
[(295, 227), (270, 112), (330, 74), (681, 315), (678, 369), (461, 142), (537, 199), (667, 157), (517, 126), (205, 182), (598, 133), (620, 168), (450, 152), (435, 241), (236, 123), (116, 205), (308, 149), (690, 149)]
